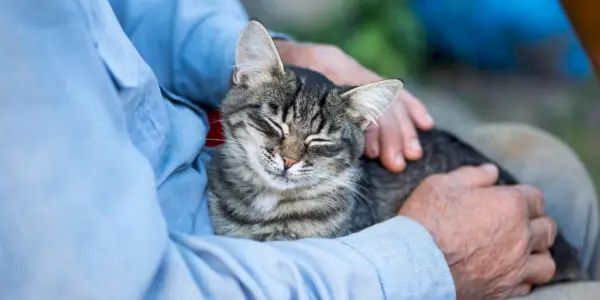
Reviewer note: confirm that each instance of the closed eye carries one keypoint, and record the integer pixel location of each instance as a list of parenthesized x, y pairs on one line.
[(275, 126), (317, 141), (265, 126)]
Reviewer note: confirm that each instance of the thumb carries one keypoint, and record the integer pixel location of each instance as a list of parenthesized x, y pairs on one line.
[(481, 176)]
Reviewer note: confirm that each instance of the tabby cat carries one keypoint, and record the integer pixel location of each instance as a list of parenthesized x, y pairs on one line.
[(291, 165)]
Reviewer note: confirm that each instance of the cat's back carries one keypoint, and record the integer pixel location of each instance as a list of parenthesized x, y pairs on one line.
[(442, 152)]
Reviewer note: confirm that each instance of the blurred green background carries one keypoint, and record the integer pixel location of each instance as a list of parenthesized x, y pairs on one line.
[(386, 37), (368, 30)]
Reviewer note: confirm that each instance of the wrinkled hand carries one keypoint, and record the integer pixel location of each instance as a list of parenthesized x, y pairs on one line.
[(395, 138), (495, 239)]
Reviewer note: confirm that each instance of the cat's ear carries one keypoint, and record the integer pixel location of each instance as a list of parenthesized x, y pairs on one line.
[(366, 103), (256, 58)]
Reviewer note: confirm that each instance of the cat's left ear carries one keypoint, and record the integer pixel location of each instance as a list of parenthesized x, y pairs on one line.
[(366, 103), (256, 59)]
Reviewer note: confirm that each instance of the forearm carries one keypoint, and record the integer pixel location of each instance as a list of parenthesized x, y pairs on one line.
[(394, 260)]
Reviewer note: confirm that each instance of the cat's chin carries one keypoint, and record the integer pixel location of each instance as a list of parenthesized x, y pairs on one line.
[(271, 180), (280, 182)]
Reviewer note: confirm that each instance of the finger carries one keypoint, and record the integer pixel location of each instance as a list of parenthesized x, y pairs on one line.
[(390, 145), (368, 75), (543, 233), (481, 176), (362, 75), (372, 142), (410, 141), (534, 198), (520, 290), (417, 111), (540, 268)]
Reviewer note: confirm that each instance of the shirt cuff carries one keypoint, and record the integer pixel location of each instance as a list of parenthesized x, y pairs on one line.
[(408, 262)]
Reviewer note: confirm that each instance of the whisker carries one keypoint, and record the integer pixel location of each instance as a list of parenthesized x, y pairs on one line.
[(353, 188)]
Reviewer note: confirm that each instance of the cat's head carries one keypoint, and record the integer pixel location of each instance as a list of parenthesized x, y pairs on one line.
[(293, 127)]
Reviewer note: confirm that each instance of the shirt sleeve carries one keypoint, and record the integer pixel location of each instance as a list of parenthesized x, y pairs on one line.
[(189, 44), (393, 260), (80, 216)]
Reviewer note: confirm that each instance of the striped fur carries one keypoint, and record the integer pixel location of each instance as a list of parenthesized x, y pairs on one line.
[(291, 167), (300, 116)]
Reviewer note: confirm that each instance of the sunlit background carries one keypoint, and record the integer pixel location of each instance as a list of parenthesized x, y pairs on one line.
[(485, 60)]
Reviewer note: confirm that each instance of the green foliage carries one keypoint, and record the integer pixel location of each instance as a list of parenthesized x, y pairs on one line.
[(383, 35)]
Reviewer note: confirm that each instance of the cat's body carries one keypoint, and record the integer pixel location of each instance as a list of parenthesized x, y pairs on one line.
[(291, 166), (387, 191), (369, 194)]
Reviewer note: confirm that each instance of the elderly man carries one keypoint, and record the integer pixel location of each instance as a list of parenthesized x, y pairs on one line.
[(103, 179)]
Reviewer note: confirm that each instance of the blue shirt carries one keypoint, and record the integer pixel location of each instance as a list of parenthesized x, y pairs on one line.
[(102, 178)]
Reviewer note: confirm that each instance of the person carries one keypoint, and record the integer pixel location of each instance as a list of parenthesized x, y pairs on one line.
[(102, 165)]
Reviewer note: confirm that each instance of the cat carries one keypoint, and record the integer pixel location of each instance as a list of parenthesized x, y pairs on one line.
[(291, 164)]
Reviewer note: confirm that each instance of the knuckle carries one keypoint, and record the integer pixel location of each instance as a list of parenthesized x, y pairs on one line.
[(471, 171), (524, 241), (547, 276), (552, 269), (536, 195), (530, 191), (434, 180), (464, 172), (514, 205), (552, 231), (314, 50), (430, 180), (332, 48)]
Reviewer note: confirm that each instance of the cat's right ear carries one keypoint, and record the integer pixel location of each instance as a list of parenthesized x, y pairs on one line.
[(366, 103), (256, 59)]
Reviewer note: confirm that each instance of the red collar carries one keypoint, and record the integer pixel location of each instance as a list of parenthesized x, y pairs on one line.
[(215, 134)]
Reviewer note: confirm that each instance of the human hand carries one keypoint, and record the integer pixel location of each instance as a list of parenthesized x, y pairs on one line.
[(495, 239), (395, 137)]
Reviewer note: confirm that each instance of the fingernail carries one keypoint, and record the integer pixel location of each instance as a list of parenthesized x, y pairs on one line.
[(374, 150), (400, 162), (489, 168), (429, 119), (415, 146)]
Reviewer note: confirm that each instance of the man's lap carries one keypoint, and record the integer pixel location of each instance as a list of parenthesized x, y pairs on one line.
[(566, 291), (543, 161)]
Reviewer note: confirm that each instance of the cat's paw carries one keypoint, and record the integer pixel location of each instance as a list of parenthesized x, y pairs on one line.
[(278, 236)]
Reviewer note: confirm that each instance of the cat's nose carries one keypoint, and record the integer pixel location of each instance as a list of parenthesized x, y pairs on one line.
[(288, 162)]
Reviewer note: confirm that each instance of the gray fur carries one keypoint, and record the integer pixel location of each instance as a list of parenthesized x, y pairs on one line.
[(291, 164), (250, 193), (276, 116)]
